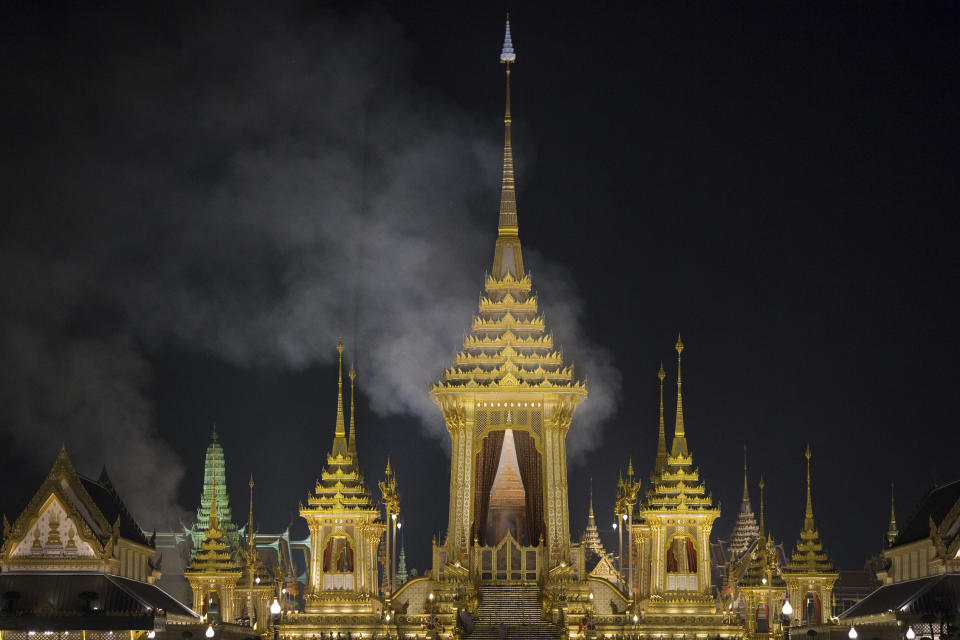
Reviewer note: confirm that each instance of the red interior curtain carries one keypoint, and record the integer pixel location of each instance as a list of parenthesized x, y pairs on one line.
[(691, 557), (531, 473), (486, 468), (327, 552)]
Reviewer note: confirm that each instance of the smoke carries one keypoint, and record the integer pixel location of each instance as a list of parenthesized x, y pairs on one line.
[(249, 187)]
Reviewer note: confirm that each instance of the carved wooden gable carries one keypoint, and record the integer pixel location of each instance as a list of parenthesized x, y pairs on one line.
[(53, 534)]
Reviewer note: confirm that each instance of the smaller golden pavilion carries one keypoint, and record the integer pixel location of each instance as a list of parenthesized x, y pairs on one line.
[(212, 573), (810, 575)]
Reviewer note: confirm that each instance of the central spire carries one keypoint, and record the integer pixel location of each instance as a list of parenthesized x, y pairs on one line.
[(507, 257), (808, 516), (679, 448), (340, 432), (352, 443)]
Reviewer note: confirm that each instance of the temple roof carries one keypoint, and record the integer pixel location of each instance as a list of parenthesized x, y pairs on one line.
[(591, 535), (119, 604), (762, 569), (508, 345), (214, 554), (809, 555), (678, 486), (94, 506), (214, 479), (936, 504), (341, 486), (745, 529)]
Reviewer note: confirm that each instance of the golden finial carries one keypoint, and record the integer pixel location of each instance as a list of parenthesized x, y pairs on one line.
[(250, 522), (340, 431), (661, 461), (591, 499), (679, 423), (508, 198), (679, 447), (352, 443), (746, 496), (389, 471), (629, 468), (808, 519), (892, 531), (761, 507)]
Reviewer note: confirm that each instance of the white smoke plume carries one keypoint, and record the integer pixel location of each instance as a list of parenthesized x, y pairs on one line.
[(250, 188)]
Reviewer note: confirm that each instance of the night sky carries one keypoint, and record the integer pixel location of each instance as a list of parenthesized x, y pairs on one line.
[(199, 200)]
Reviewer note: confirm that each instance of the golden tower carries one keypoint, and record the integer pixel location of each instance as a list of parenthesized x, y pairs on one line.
[(671, 541), (810, 575), (508, 392), (345, 527), (762, 584), (212, 572)]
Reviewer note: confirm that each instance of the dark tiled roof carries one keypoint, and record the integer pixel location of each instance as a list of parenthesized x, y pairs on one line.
[(111, 506), (84, 600), (935, 504), (913, 597)]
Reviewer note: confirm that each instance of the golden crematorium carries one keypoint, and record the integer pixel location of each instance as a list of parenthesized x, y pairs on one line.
[(507, 557)]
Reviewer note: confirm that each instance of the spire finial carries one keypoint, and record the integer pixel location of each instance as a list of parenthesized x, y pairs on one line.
[(630, 469), (352, 443), (808, 518), (508, 198), (389, 471), (250, 522), (212, 524), (761, 507), (661, 461), (213, 435), (892, 531), (340, 431), (591, 516), (746, 495), (679, 448)]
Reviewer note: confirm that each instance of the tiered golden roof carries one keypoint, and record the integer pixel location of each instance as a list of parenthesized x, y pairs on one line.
[(678, 486), (341, 486), (213, 556), (745, 530), (809, 556), (762, 570), (508, 346)]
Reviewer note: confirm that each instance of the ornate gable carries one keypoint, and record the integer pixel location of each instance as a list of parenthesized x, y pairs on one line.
[(61, 522)]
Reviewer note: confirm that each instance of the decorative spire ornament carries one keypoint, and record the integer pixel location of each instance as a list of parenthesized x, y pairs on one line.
[(352, 442), (808, 516), (762, 529), (679, 448), (746, 494), (892, 531), (661, 461), (340, 431)]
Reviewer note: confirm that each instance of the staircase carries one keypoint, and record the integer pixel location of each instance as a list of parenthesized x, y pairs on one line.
[(515, 606)]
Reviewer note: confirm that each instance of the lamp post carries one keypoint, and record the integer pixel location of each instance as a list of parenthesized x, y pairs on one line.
[(275, 612), (786, 612)]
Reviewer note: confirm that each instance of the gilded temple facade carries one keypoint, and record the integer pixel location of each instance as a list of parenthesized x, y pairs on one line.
[(345, 532), (810, 575)]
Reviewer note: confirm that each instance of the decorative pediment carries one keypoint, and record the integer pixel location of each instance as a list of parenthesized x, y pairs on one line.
[(57, 531), (61, 520)]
